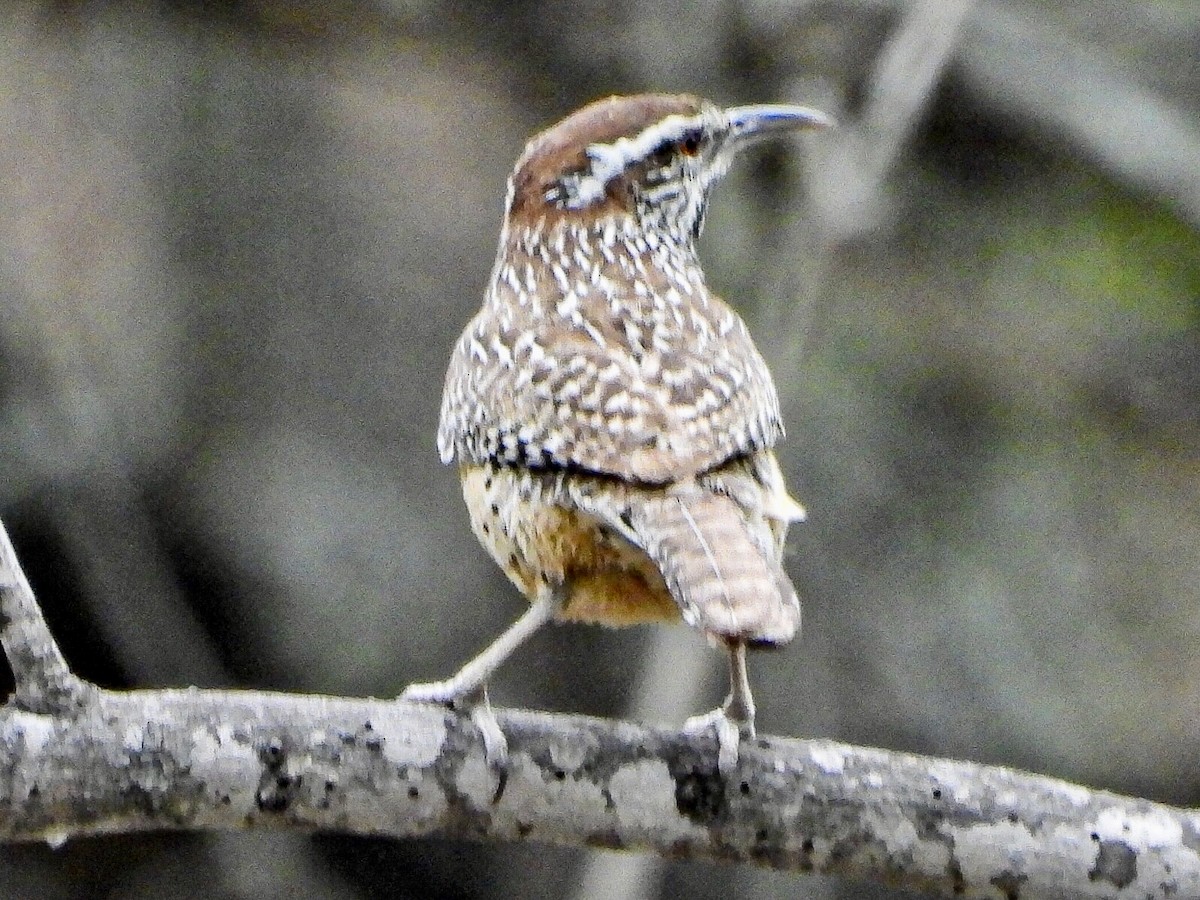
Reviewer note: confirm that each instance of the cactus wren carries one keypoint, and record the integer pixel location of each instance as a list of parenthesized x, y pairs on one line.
[(611, 417)]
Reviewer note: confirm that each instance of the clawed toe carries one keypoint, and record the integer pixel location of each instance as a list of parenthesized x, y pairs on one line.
[(729, 736), (495, 744), (733, 722), (474, 704), (429, 692)]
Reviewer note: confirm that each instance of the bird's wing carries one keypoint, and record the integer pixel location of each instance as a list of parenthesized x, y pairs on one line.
[(618, 393)]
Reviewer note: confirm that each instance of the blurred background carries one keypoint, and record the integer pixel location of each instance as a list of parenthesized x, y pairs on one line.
[(238, 238)]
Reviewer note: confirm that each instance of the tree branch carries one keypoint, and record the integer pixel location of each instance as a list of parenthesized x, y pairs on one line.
[(114, 762), (44, 682)]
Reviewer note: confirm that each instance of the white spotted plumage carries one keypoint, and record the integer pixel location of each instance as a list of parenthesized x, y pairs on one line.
[(611, 417), (671, 351)]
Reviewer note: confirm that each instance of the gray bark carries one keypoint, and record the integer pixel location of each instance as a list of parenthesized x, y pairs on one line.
[(77, 760), (187, 759)]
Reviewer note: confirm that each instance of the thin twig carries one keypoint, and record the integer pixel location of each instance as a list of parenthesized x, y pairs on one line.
[(44, 683)]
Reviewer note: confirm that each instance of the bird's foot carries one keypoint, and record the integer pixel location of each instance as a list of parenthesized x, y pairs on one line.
[(474, 703), (730, 733)]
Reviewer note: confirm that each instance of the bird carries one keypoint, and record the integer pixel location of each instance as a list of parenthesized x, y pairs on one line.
[(612, 420)]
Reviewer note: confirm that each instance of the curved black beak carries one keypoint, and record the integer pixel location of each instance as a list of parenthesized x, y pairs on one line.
[(751, 124)]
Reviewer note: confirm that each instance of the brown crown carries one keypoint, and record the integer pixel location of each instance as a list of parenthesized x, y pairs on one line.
[(561, 149)]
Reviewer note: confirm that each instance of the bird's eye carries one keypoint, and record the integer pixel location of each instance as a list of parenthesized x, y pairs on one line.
[(664, 152), (690, 145)]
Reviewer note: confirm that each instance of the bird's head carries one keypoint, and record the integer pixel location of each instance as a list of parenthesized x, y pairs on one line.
[(650, 159)]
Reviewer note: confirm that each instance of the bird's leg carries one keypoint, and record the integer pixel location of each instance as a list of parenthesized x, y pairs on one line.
[(739, 705), (733, 721), (467, 688)]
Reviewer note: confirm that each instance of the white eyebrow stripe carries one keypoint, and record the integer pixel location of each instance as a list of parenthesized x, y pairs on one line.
[(610, 160)]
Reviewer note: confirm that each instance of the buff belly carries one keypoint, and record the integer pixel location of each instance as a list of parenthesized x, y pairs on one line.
[(539, 542)]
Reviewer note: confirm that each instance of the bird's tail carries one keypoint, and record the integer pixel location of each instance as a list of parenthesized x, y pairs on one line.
[(720, 560)]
